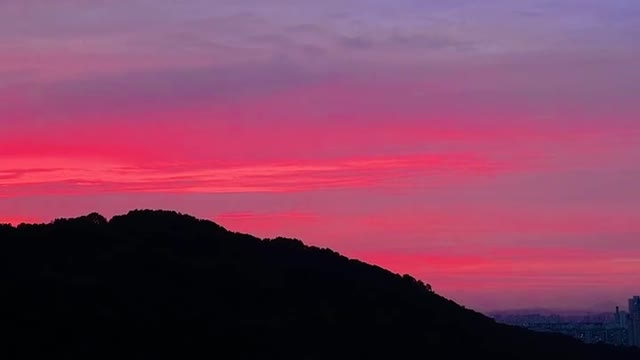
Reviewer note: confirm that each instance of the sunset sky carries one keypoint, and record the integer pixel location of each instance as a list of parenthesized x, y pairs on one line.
[(490, 148)]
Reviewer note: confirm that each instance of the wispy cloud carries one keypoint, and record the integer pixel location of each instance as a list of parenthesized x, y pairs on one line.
[(82, 176)]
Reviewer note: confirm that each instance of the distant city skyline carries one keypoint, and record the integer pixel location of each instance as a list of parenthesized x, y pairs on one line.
[(620, 327), (489, 148)]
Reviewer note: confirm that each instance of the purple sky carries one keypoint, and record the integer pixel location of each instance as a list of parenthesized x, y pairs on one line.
[(490, 148)]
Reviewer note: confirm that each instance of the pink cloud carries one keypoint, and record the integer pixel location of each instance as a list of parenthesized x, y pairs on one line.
[(96, 175), (494, 219)]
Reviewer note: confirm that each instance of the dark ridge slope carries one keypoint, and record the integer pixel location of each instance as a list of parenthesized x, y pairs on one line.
[(151, 283)]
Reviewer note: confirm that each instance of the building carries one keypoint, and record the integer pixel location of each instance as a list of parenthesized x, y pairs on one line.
[(634, 321), (620, 318), (608, 328)]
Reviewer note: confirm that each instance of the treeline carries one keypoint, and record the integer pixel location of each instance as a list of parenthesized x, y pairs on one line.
[(153, 283)]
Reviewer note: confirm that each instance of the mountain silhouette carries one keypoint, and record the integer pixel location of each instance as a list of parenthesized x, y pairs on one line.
[(156, 283)]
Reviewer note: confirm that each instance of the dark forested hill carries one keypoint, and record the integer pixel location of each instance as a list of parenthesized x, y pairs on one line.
[(150, 284)]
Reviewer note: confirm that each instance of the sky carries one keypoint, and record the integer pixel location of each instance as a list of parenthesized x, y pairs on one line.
[(490, 148)]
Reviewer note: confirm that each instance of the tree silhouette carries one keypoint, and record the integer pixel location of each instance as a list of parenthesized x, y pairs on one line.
[(155, 284)]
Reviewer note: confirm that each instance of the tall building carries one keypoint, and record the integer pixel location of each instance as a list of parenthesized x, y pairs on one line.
[(620, 318), (634, 321)]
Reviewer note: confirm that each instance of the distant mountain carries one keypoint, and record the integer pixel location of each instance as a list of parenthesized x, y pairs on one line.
[(548, 312), (154, 284), (526, 311), (600, 308)]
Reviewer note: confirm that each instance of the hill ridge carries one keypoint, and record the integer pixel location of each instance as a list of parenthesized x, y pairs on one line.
[(154, 283)]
